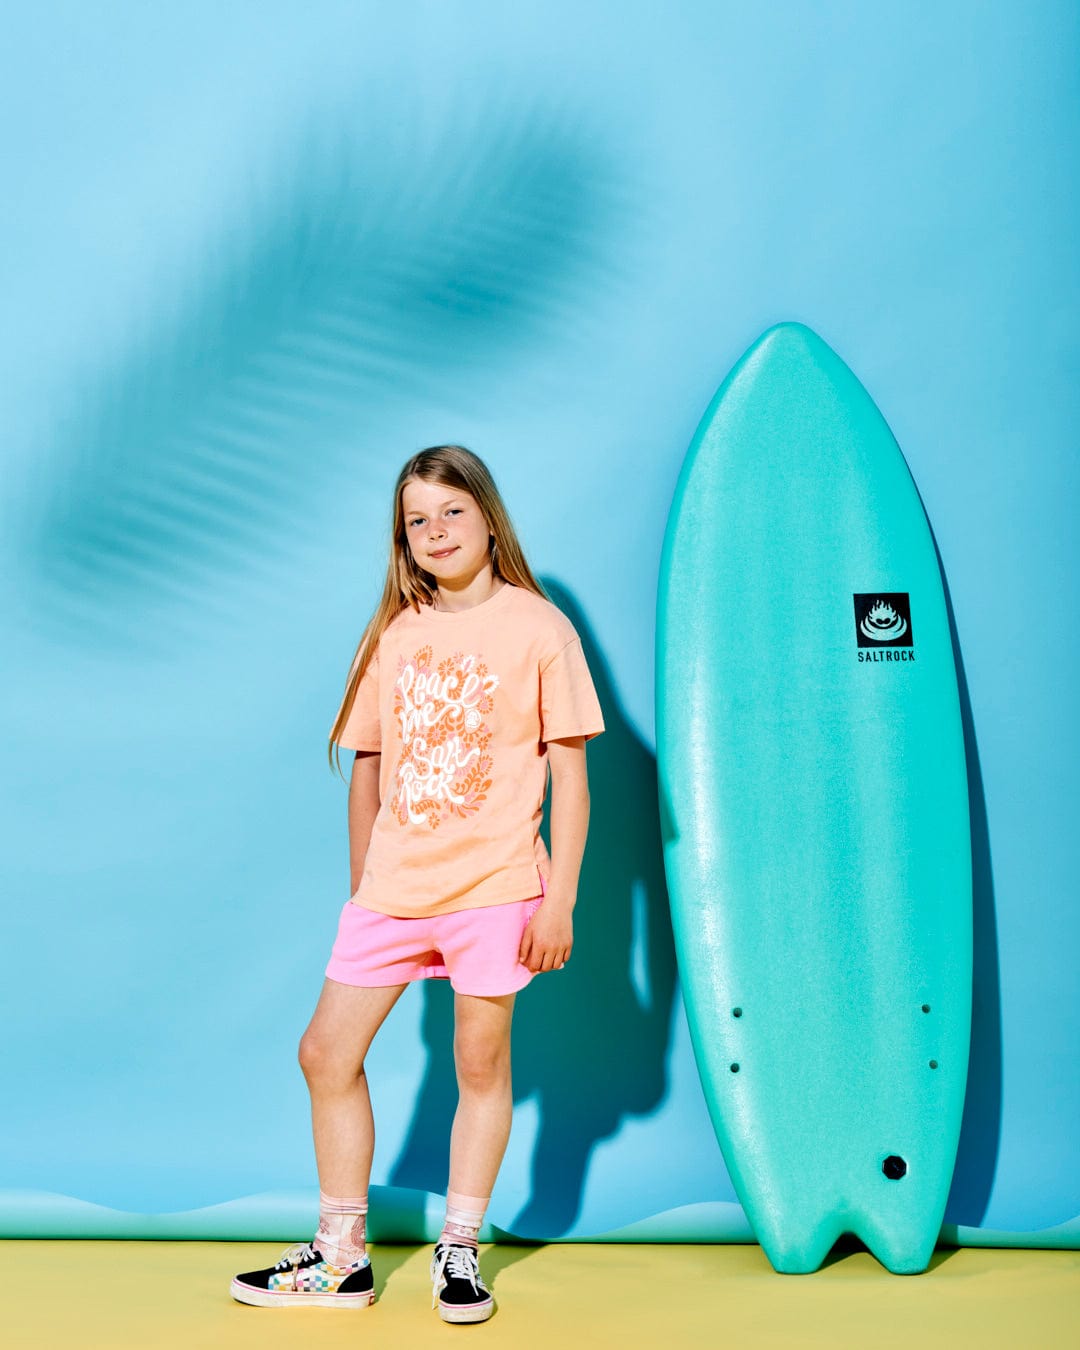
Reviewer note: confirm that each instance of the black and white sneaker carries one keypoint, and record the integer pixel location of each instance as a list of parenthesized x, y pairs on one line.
[(304, 1278), (456, 1287)]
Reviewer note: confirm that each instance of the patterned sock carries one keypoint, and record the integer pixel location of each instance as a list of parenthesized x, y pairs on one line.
[(464, 1215), (342, 1238)]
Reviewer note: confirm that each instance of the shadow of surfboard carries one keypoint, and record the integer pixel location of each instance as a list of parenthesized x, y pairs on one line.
[(980, 1129)]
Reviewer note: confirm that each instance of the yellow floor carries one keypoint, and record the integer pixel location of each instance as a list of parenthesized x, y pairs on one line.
[(151, 1294)]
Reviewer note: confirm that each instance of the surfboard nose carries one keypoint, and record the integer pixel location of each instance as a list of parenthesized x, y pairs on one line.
[(789, 342)]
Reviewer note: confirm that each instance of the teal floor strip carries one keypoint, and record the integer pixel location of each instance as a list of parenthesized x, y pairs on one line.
[(400, 1215)]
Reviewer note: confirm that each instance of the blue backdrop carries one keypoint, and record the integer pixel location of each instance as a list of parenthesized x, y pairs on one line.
[(253, 256)]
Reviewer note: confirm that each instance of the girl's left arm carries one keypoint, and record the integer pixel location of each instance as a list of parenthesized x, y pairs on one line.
[(549, 938)]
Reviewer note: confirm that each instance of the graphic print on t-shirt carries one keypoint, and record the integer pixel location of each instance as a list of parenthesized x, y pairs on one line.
[(444, 768)]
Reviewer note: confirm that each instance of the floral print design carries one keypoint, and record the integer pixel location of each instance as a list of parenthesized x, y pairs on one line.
[(444, 769)]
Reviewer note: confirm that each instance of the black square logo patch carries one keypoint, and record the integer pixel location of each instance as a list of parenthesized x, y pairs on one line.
[(883, 619)]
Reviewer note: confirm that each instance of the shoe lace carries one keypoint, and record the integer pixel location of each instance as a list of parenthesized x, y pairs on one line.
[(294, 1255), (453, 1262)]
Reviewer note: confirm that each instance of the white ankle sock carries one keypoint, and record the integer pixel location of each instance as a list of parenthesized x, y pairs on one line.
[(464, 1215), (342, 1235)]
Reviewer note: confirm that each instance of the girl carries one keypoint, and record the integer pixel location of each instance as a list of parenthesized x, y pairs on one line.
[(468, 688)]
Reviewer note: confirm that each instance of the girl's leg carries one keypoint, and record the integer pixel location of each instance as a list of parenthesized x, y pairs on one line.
[(332, 1053), (333, 1270), (477, 1144), (485, 1096)]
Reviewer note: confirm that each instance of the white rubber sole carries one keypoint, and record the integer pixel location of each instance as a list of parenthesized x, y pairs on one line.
[(479, 1313), (263, 1298)]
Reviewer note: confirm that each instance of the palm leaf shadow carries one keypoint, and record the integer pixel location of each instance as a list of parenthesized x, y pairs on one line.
[(374, 277)]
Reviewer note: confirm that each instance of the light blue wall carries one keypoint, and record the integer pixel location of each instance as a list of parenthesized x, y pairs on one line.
[(252, 256)]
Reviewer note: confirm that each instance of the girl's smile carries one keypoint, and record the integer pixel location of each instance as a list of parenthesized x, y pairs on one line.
[(448, 537)]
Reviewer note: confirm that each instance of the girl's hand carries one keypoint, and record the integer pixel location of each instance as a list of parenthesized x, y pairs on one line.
[(548, 938), (547, 941)]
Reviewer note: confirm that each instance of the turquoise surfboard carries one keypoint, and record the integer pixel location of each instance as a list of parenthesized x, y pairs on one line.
[(813, 784)]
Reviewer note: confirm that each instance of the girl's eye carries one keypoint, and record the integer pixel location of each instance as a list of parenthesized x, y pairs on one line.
[(413, 523), (454, 511)]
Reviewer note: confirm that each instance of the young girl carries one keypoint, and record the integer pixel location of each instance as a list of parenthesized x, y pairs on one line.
[(468, 688)]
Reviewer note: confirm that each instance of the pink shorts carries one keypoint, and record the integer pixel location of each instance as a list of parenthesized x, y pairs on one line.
[(475, 949)]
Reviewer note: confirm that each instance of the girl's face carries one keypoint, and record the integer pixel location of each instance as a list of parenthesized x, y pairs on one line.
[(446, 532)]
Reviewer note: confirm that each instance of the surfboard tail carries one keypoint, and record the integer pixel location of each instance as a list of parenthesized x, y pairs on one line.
[(901, 1251), (798, 1242), (803, 1249)]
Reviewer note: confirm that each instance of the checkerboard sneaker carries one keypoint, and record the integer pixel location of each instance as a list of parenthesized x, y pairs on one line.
[(303, 1278), (456, 1287)]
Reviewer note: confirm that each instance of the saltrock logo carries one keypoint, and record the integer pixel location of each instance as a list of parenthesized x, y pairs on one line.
[(883, 626)]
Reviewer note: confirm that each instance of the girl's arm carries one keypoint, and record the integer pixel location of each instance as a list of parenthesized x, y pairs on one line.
[(548, 939), (363, 808)]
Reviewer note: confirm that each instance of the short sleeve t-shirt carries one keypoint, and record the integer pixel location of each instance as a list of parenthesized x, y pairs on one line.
[(460, 706)]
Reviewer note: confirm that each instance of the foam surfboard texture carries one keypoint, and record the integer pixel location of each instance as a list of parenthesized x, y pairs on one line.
[(813, 784)]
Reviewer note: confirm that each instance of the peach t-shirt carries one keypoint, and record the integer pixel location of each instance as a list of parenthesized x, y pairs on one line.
[(460, 706)]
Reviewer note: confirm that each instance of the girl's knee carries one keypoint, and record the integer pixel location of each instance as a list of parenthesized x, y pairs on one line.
[(311, 1054), (322, 1060), (482, 1067)]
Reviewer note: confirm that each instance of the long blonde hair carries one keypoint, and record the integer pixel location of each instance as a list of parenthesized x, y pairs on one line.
[(407, 584)]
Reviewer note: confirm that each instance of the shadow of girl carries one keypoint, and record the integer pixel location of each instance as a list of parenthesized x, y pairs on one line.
[(591, 1041)]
